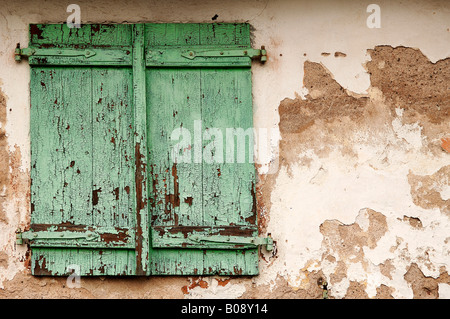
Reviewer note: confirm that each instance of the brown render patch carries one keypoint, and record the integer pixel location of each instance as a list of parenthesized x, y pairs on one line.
[(25, 286)]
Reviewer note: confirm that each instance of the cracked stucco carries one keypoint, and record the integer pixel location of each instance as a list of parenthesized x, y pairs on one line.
[(358, 195)]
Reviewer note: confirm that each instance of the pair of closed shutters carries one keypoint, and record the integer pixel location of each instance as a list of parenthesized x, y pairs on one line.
[(108, 103)]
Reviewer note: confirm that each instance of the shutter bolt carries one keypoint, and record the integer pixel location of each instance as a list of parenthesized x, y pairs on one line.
[(19, 240)]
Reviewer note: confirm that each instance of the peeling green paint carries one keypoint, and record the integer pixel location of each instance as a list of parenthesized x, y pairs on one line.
[(100, 140)]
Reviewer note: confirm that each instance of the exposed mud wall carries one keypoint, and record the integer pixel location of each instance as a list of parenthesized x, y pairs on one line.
[(356, 192)]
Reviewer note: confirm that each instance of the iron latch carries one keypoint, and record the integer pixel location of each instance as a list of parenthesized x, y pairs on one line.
[(27, 236), (260, 54), (236, 240), (27, 52)]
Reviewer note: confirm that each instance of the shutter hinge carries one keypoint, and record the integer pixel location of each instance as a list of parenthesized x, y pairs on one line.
[(27, 52), (24, 237), (236, 240), (260, 54)]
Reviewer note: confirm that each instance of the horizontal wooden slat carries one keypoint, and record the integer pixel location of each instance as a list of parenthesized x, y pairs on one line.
[(90, 262)]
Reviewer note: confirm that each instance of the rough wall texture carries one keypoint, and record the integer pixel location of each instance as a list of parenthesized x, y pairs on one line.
[(357, 192)]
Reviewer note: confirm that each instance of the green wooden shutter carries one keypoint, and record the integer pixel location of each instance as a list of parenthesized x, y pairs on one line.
[(106, 194), (83, 189)]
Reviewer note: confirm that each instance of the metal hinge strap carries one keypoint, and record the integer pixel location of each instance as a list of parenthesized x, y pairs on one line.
[(31, 235), (27, 52), (250, 52), (237, 240)]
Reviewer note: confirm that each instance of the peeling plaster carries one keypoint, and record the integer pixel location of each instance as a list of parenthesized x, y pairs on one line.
[(373, 113), (214, 288)]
